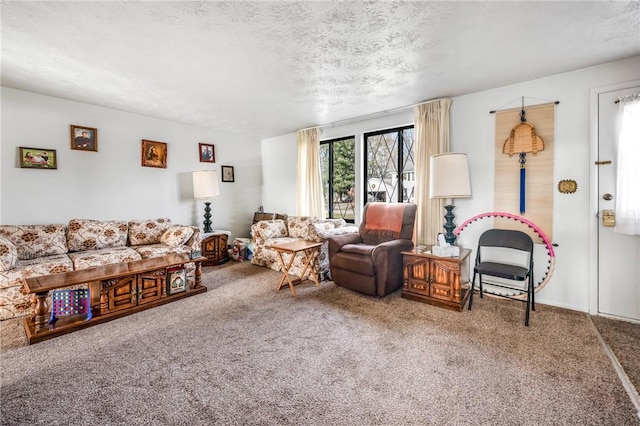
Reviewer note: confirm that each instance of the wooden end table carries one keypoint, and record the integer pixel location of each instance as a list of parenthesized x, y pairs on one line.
[(214, 247), (309, 250), (436, 280)]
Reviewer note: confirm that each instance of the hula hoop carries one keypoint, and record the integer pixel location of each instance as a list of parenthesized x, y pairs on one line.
[(534, 227)]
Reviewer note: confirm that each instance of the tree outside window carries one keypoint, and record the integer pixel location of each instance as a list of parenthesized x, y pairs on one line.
[(337, 159)]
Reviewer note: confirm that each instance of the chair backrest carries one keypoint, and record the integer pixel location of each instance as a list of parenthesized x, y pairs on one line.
[(507, 238), (383, 222)]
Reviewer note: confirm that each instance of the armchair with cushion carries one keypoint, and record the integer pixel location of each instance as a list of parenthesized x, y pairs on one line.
[(370, 262)]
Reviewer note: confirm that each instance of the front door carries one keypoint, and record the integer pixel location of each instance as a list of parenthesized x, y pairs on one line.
[(618, 254)]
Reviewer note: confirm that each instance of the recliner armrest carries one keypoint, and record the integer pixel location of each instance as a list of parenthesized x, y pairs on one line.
[(335, 243), (393, 245)]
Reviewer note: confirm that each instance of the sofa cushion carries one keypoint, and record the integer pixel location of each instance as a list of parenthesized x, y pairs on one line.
[(87, 234), (143, 232), (35, 268), (36, 241), (93, 258), (176, 236), (298, 226), (8, 254), (266, 229), (157, 250)]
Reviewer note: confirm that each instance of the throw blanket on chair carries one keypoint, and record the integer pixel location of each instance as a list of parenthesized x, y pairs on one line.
[(384, 219)]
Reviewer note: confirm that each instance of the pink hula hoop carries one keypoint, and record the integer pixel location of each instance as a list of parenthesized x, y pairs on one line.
[(536, 229)]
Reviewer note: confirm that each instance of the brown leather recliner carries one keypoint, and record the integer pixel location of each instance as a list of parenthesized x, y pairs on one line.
[(370, 262)]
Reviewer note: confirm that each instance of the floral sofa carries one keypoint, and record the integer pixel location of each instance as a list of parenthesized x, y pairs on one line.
[(268, 232), (35, 250)]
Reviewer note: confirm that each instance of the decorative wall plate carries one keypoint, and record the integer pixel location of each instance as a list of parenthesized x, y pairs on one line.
[(567, 186)]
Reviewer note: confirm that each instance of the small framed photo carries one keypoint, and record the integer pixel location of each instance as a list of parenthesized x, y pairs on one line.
[(154, 154), (207, 153), (84, 138), (227, 174), (38, 158), (177, 281)]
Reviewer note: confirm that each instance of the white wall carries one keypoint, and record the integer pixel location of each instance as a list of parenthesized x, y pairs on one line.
[(111, 183), (472, 131), (279, 174)]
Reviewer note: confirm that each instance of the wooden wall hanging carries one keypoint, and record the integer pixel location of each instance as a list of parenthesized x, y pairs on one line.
[(530, 193)]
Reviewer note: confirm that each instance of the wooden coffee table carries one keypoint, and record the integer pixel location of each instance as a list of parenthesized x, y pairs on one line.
[(116, 290), (309, 250)]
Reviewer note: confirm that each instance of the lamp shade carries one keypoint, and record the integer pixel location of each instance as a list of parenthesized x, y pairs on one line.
[(205, 184), (449, 176)]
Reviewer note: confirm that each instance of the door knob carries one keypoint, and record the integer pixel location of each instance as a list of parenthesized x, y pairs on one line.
[(607, 197)]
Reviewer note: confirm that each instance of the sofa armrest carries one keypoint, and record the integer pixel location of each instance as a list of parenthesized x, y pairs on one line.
[(195, 241), (8, 255), (320, 231)]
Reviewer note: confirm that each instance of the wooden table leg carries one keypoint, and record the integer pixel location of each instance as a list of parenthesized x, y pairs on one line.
[(198, 277), (313, 264), (285, 272), (310, 256), (41, 310)]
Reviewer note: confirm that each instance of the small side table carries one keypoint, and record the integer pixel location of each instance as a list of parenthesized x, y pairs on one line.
[(309, 250), (214, 247), (436, 280)]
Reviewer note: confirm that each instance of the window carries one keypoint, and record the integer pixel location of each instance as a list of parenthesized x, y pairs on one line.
[(389, 169), (338, 159)]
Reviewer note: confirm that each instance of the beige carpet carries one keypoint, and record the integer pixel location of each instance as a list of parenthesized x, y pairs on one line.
[(243, 354), (624, 340)]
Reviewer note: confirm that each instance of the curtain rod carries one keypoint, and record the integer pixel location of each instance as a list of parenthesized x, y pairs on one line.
[(627, 97), (369, 116)]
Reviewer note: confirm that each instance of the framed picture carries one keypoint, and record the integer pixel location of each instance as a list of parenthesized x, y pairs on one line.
[(154, 154), (227, 174), (176, 281), (84, 138), (38, 158), (207, 153)]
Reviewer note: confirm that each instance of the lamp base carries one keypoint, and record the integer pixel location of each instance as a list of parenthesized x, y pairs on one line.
[(207, 217), (449, 226)]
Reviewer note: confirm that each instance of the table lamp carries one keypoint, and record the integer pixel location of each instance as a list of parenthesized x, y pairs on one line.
[(205, 185), (449, 178)]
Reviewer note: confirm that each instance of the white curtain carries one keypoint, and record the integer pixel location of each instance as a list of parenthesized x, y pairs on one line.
[(628, 167), (309, 199), (431, 137)]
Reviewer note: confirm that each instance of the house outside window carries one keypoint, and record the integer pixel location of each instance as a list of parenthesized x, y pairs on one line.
[(389, 165), (338, 159)]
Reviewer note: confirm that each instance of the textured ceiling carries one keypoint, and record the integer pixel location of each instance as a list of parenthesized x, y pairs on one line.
[(270, 68)]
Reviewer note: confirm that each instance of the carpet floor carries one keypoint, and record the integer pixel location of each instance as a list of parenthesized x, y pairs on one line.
[(243, 354), (624, 340)]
